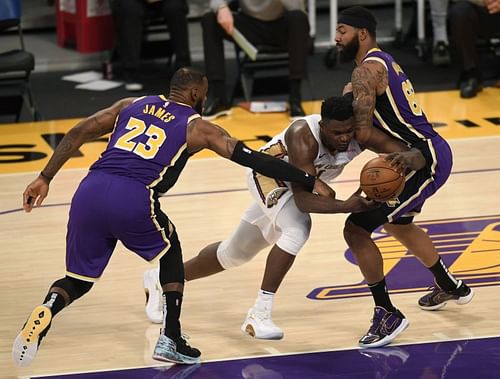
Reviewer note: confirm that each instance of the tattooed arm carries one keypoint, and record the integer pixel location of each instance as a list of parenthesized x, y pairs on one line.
[(367, 80), (203, 134), (86, 130)]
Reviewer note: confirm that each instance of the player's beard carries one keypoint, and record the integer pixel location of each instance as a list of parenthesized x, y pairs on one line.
[(348, 53)]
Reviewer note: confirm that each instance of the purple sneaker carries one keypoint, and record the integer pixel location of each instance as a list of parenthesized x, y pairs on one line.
[(385, 327), (438, 297)]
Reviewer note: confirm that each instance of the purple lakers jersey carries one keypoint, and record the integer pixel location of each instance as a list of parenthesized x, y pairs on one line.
[(148, 142), (397, 111)]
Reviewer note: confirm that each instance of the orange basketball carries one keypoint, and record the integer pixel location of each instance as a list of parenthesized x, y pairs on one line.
[(380, 181)]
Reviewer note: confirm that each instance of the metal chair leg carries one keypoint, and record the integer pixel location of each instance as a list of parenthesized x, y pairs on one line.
[(246, 84)]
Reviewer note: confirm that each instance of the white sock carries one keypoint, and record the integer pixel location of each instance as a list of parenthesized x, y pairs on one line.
[(264, 301)]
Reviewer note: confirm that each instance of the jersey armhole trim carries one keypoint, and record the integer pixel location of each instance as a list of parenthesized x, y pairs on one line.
[(139, 98), (193, 117), (377, 59)]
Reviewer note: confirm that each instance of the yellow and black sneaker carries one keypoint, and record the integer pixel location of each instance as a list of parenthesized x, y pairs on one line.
[(27, 341)]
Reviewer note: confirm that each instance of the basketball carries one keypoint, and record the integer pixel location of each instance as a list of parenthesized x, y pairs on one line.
[(379, 181)]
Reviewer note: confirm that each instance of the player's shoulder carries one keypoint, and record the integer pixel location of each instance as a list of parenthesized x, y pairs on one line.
[(303, 132), (376, 58), (311, 120), (303, 125)]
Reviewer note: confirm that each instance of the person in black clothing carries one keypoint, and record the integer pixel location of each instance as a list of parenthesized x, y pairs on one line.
[(129, 17), (276, 23), (482, 20)]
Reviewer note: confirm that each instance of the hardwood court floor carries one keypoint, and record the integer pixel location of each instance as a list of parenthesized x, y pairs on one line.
[(108, 329)]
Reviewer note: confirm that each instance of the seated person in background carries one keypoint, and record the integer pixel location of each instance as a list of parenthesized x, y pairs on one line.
[(277, 23), (468, 21), (129, 17)]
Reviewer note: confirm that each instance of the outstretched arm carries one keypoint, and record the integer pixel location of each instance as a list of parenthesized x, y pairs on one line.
[(203, 134), (302, 151), (400, 155), (86, 130), (366, 78), (380, 143)]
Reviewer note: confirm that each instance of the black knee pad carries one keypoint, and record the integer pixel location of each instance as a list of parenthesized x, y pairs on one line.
[(171, 265), (368, 221), (75, 288)]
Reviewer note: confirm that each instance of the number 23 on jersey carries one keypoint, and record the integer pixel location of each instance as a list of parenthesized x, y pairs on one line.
[(136, 128)]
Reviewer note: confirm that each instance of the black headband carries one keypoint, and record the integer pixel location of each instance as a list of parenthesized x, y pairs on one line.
[(357, 21)]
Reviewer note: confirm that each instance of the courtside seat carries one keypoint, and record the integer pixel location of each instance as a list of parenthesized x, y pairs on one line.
[(16, 66)]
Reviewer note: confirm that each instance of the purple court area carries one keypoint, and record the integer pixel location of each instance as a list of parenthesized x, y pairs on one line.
[(462, 359)]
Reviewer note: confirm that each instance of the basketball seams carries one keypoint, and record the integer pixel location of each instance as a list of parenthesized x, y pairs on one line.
[(365, 172), (379, 184), (376, 170)]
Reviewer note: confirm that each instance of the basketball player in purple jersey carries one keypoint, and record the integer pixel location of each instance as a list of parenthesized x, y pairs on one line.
[(384, 98), (151, 139)]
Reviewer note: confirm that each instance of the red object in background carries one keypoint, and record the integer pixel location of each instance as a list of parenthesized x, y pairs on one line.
[(88, 24)]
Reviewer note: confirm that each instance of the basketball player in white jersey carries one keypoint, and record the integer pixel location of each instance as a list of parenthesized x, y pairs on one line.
[(321, 145)]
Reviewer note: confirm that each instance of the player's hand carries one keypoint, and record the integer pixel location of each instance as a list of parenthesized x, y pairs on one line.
[(405, 160), (226, 20), (357, 203), (35, 193), (323, 189)]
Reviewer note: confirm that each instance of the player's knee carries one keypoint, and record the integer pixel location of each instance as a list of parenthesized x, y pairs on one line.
[(75, 288), (351, 230), (358, 223), (231, 254), (293, 239)]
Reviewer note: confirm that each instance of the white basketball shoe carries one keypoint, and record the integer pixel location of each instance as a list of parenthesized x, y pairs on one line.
[(259, 324), (154, 296)]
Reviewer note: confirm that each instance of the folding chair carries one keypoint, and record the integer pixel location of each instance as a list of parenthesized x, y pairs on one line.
[(15, 65), (270, 60), (156, 39)]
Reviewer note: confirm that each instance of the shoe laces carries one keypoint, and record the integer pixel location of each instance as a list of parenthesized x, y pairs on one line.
[(434, 291), (261, 315), (184, 347), (185, 338), (376, 320)]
